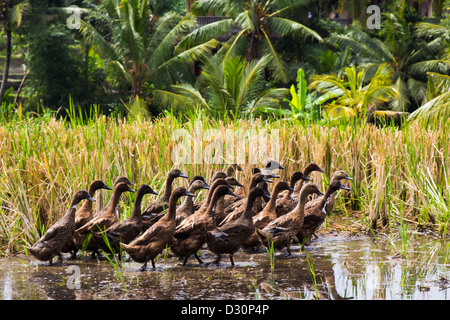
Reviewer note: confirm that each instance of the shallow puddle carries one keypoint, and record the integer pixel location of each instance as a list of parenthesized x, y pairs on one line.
[(329, 268)]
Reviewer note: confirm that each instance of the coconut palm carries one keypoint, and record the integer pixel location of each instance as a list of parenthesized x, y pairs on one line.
[(11, 13), (409, 56), (231, 87), (259, 22), (353, 95), (142, 47)]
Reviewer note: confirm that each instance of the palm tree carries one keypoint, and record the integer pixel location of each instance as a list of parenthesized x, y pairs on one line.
[(353, 95), (231, 87), (11, 13), (260, 23), (142, 47), (409, 56)]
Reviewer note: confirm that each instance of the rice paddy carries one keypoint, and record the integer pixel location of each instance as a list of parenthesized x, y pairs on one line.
[(401, 176)]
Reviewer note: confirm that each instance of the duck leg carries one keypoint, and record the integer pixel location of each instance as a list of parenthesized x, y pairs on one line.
[(153, 264), (185, 260), (231, 260), (144, 266), (217, 261), (198, 258)]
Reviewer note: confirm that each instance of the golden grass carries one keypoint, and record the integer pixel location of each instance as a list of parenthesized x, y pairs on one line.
[(399, 174)]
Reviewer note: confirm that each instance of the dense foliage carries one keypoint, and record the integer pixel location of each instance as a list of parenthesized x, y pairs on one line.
[(148, 56)]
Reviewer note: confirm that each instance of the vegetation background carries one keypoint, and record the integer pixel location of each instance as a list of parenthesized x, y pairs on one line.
[(103, 100)]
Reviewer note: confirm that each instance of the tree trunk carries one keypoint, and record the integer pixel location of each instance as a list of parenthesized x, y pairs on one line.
[(7, 62)]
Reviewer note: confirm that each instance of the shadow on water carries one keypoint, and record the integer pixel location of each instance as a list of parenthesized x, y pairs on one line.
[(328, 268)]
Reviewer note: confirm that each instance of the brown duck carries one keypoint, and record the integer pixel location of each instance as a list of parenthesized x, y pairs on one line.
[(229, 237), (153, 241), (127, 230), (290, 202), (281, 232), (317, 210), (237, 208), (60, 233), (103, 222), (159, 206), (189, 236), (187, 206), (284, 204), (227, 200), (267, 215), (105, 208), (84, 214)]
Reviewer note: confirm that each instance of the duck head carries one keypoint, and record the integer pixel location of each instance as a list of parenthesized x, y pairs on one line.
[(312, 167), (145, 189), (199, 178), (81, 195), (176, 173), (341, 174), (232, 181), (199, 184), (124, 180), (273, 165), (99, 184)]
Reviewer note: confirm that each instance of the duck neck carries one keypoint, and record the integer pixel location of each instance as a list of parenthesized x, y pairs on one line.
[(248, 213), (299, 186), (168, 191), (273, 199), (172, 207), (326, 200), (188, 203), (87, 205), (114, 202), (137, 205)]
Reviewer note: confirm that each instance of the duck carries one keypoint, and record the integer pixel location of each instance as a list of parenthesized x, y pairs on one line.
[(102, 222), (281, 232), (127, 230), (232, 168), (227, 200), (267, 215), (159, 206), (105, 208), (83, 215), (187, 206), (318, 209), (189, 236), (290, 202), (60, 233), (229, 237), (283, 204), (237, 208), (152, 242)]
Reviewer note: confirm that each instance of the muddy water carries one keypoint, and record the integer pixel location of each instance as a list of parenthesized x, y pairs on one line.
[(333, 267)]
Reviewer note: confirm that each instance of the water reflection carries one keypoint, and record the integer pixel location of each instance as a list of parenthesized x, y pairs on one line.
[(330, 268)]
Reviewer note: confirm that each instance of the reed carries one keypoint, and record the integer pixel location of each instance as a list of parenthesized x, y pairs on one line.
[(399, 174)]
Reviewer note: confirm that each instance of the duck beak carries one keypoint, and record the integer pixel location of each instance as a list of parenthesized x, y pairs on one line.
[(266, 196), (306, 178), (239, 185), (189, 194), (345, 188), (229, 186), (320, 193), (205, 186), (232, 194), (267, 179), (90, 199), (290, 189), (320, 170), (275, 176), (348, 178), (106, 187), (282, 168), (154, 192), (182, 175), (131, 190)]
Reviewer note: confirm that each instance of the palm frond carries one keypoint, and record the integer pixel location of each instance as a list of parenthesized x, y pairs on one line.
[(205, 33), (277, 62), (298, 31)]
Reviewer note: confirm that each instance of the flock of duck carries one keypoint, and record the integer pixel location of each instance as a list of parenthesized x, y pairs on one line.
[(226, 221)]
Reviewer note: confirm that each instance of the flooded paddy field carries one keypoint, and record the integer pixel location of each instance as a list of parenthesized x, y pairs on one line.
[(331, 267)]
